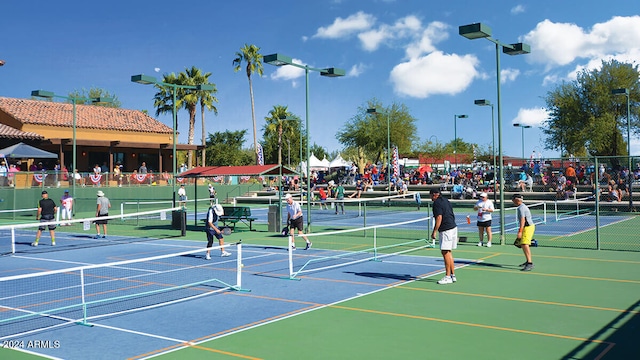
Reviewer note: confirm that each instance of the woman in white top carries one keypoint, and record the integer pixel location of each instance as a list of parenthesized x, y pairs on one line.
[(484, 207)]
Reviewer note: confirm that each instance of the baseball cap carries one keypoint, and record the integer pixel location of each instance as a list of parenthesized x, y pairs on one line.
[(44, 192), (434, 191), (66, 191), (516, 196), (483, 194), (287, 196)]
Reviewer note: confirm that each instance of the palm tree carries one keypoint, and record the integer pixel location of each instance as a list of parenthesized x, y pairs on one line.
[(207, 99), (277, 122), (251, 56)]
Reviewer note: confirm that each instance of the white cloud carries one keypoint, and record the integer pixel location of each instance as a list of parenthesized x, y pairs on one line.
[(356, 70), (288, 72), (518, 9), (434, 33), (508, 75), (407, 26), (345, 27), (436, 73), (559, 44), (532, 117)]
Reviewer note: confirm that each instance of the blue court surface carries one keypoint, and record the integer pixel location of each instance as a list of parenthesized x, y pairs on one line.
[(266, 295)]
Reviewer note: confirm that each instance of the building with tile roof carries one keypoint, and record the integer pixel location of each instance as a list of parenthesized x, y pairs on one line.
[(104, 135)]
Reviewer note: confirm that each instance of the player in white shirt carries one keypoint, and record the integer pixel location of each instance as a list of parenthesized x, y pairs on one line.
[(484, 207)]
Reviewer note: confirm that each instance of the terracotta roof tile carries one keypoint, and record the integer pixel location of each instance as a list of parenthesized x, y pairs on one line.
[(39, 112), (7, 132)]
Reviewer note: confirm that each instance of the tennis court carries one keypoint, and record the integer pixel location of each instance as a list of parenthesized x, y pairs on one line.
[(373, 309)]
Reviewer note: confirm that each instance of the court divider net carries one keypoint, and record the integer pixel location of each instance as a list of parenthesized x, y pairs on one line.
[(371, 243), (569, 209), (30, 303), (538, 215), (80, 232)]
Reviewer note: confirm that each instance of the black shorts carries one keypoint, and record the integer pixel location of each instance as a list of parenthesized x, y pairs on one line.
[(48, 218), (484, 223), (297, 224), (101, 221), (212, 233)]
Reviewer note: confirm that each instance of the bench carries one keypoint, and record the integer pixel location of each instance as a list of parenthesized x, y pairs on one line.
[(235, 214)]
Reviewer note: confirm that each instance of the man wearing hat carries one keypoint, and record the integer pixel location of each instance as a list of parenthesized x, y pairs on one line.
[(46, 212), (67, 203), (102, 210), (525, 230), (484, 207), (445, 224), (294, 219), (212, 230), (182, 196)]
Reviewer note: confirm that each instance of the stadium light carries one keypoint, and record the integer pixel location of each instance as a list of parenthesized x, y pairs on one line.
[(477, 31), (74, 100), (374, 111), (625, 91), (281, 60), (485, 102), (523, 127), (455, 136), (148, 80)]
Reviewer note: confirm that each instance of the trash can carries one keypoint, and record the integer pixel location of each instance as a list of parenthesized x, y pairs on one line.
[(179, 221), (274, 218)]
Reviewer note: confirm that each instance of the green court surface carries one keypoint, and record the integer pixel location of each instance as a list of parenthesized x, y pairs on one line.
[(575, 304)]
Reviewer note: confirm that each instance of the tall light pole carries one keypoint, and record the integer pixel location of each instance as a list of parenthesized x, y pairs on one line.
[(280, 60), (388, 114), (74, 100), (455, 135), (522, 126), (477, 31), (630, 176), (147, 80), (484, 102)]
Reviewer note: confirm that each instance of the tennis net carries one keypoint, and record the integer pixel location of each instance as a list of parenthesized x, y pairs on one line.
[(569, 209), (367, 207), (33, 302), (81, 232), (142, 205), (538, 215), (345, 247)]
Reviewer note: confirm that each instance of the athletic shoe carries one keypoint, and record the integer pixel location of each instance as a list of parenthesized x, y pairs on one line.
[(489, 244), (445, 280), (104, 236), (523, 264), (225, 254), (308, 246), (35, 243), (207, 257), (97, 236), (480, 243), (528, 267), (453, 278), (293, 247), (53, 243)]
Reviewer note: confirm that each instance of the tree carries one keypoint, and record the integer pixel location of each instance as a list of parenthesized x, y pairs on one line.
[(585, 117), (95, 93), (251, 56), (276, 123), (187, 98), (207, 99), (290, 135), (228, 149), (319, 151), (367, 133)]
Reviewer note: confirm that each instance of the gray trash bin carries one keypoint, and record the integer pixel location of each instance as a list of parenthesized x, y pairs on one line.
[(275, 219), (179, 221)]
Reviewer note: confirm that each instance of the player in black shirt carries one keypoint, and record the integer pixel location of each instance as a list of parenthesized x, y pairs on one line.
[(445, 224), (46, 212)]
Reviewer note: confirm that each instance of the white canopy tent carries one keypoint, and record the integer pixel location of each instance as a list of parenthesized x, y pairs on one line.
[(339, 162)]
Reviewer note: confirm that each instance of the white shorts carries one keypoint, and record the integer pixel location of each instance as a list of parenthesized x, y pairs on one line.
[(449, 239)]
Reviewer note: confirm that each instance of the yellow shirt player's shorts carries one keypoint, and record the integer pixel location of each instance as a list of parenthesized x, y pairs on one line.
[(527, 236)]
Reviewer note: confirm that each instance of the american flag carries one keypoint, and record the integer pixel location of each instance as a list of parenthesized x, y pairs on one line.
[(260, 155), (396, 165)]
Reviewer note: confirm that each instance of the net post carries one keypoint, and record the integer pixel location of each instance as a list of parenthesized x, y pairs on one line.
[(239, 265), (84, 321), (544, 211), (13, 240)]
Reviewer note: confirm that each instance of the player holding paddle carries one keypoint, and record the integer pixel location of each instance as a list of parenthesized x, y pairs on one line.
[(294, 219), (212, 230)]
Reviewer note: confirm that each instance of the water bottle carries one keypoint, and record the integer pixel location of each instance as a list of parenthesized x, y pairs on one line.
[(468, 220)]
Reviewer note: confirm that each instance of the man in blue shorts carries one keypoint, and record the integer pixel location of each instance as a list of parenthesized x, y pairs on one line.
[(445, 224), (212, 229)]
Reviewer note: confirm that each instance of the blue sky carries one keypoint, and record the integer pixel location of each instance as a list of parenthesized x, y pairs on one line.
[(396, 51)]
